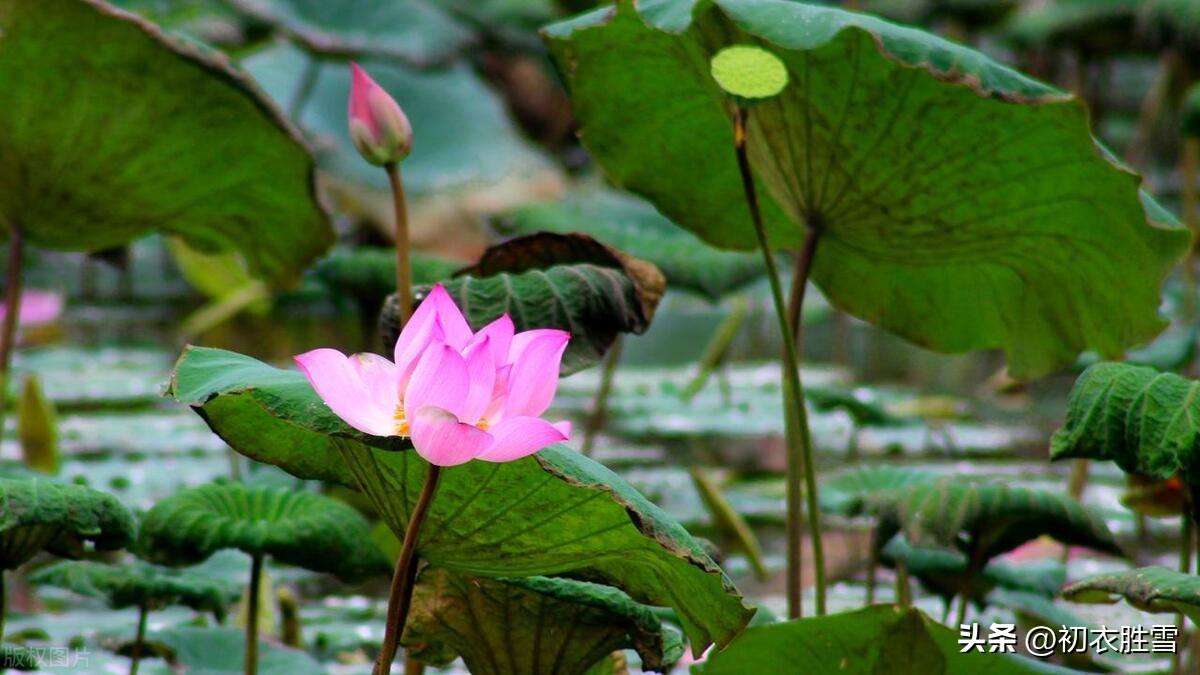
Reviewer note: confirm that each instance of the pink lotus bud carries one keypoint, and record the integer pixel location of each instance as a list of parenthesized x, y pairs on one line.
[(378, 126)]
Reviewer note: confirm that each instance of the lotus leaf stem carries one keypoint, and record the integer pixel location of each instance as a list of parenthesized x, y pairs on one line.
[(799, 441), (404, 295), (718, 347), (140, 640), (600, 405), (405, 576), (256, 566)]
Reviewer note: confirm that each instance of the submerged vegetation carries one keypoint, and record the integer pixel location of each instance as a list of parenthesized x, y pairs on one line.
[(536, 336)]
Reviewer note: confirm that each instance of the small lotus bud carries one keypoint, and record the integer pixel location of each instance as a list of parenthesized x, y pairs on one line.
[(378, 126)]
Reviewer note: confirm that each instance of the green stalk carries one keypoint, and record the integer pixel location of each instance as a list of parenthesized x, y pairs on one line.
[(718, 346), (800, 460), (404, 296), (903, 594), (256, 565), (139, 641), (303, 92), (12, 308), (1188, 169), (600, 404), (406, 574), (873, 565)]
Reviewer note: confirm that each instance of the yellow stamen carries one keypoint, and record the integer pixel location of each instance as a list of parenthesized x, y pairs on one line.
[(401, 421)]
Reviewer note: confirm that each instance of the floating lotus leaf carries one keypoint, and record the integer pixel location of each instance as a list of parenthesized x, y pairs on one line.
[(549, 280), (1157, 590), (158, 135), (1143, 420), (413, 30), (37, 513), (193, 649), (551, 513), (631, 225), (879, 639), (138, 585), (298, 528), (953, 242), (991, 518), (546, 625)]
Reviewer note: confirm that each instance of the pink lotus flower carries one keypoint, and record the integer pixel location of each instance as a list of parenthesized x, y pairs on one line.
[(458, 395), (378, 127), (37, 307)]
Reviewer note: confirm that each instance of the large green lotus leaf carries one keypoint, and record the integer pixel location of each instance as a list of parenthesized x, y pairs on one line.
[(962, 205), (631, 225), (1145, 421), (879, 639), (531, 625), (556, 512), (463, 138), (114, 130), (550, 280), (1157, 590), (138, 584), (993, 517), (38, 514), (222, 650), (413, 30), (305, 529)]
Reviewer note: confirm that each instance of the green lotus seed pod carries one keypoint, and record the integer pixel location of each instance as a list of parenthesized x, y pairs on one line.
[(749, 72)]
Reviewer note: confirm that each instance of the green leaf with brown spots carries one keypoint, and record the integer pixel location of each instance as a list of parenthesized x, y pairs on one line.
[(549, 280), (960, 203)]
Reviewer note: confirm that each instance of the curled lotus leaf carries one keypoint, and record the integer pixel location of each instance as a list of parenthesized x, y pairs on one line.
[(553, 513), (37, 514), (1157, 590), (138, 584), (550, 280), (986, 519), (304, 529)]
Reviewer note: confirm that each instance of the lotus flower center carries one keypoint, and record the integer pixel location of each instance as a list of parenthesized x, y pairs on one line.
[(401, 421)]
